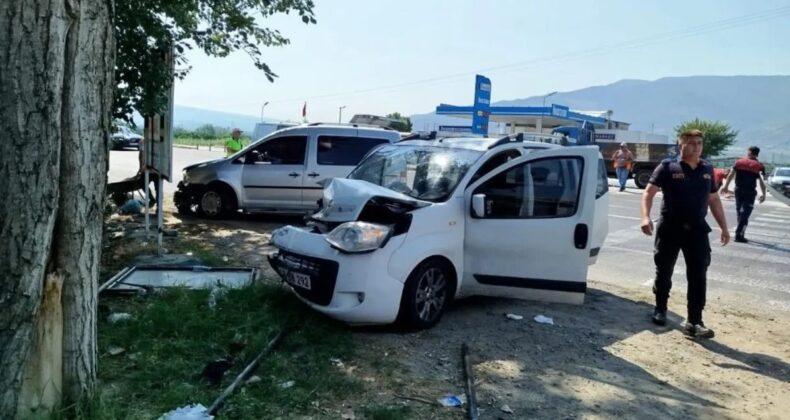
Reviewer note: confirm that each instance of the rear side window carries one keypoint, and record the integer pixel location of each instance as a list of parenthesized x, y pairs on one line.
[(603, 181), (344, 151)]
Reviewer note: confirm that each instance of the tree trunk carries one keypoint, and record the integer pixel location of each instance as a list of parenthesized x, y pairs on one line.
[(56, 84)]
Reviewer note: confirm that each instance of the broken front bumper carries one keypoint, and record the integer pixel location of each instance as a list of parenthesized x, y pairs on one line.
[(354, 288), (186, 195)]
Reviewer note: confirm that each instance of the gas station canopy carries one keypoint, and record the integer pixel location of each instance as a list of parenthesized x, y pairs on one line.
[(535, 118)]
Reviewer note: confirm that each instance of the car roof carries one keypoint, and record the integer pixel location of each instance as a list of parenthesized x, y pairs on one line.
[(480, 144), (320, 125)]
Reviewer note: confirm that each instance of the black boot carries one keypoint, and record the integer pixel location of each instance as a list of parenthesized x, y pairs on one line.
[(659, 317), (739, 234)]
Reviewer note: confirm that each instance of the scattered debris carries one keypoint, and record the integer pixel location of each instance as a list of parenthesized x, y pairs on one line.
[(215, 370), (254, 379), (188, 412), (541, 319), (287, 384), (133, 279), (422, 400), (115, 350), (132, 206), (452, 400), (217, 292), (119, 316), (336, 362), (506, 409), (349, 415), (225, 259), (515, 317)]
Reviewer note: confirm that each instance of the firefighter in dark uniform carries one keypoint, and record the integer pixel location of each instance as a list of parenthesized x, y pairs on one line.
[(689, 189), (747, 171)]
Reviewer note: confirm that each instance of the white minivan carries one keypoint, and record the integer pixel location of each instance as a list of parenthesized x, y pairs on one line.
[(280, 173), (421, 222)]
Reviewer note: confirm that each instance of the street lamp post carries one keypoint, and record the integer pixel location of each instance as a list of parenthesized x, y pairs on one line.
[(340, 114), (540, 128), (262, 108)]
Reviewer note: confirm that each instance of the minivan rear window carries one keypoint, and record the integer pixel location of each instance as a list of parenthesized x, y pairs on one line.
[(344, 151)]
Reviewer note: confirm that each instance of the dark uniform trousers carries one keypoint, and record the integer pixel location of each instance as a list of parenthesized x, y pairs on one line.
[(670, 239), (744, 204)]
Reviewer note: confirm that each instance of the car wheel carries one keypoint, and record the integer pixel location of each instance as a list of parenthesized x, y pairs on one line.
[(426, 294), (211, 203), (641, 178)]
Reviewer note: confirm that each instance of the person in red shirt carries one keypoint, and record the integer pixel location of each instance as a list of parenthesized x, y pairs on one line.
[(747, 171), (718, 176)]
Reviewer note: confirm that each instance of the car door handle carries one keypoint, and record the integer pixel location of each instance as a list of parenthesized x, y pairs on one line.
[(313, 174), (293, 174), (580, 236)]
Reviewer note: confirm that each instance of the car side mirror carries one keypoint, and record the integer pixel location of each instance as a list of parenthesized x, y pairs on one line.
[(479, 205)]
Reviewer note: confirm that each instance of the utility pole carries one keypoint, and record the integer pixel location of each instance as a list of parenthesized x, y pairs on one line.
[(340, 114), (262, 108)]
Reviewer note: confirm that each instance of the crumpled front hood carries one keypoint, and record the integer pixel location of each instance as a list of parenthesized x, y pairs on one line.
[(344, 199), (203, 164)]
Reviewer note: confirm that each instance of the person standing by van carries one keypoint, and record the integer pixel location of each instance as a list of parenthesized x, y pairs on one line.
[(689, 189), (746, 171), (623, 159), (233, 145)]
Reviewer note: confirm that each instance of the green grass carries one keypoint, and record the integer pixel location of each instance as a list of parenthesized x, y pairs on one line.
[(376, 412), (174, 334)]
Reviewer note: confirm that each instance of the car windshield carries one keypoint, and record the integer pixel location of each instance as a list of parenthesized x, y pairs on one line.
[(783, 172), (423, 172)]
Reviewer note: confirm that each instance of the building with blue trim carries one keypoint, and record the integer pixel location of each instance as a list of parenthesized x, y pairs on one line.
[(536, 118)]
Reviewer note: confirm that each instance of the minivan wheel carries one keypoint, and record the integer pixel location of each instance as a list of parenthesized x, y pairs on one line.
[(211, 203), (426, 294)]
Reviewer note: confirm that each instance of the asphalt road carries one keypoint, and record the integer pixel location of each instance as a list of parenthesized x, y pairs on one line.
[(761, 267)]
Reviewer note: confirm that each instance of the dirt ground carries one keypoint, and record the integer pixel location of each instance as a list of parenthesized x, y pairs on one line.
[(603, 359)]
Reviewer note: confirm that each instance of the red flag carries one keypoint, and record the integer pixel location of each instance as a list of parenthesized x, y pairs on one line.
[(304, 110)]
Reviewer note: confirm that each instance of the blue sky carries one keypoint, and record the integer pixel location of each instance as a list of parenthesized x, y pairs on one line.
[(527, 48)]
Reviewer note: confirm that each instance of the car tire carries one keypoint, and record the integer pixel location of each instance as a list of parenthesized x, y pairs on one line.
[(216, 202), (211, 203), (427, 294), (641, 178)]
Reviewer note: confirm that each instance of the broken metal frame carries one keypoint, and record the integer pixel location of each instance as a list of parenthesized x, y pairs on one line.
[(245, 374), (119, 277), (471, 396)]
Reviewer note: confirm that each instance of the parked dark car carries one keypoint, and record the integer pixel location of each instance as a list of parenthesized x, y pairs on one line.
[(124, 138)]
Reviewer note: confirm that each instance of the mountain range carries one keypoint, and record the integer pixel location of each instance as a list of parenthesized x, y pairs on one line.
[(757, 106)]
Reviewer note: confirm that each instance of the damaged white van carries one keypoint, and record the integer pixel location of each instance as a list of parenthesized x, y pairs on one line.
[(423, 221)]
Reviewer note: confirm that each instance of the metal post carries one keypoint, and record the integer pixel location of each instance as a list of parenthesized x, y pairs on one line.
[(340, 114), (145, 201), (159, 215)]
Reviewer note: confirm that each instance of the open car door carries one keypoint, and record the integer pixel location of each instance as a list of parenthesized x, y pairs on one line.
[(529, 226)]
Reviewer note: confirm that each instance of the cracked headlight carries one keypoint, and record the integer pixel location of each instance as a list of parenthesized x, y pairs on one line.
[(358, 236)]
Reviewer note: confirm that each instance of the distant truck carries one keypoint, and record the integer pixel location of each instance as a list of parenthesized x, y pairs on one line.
[(648, 149)]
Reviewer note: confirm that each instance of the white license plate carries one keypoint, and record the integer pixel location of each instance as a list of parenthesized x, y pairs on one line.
[(300, 280)]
